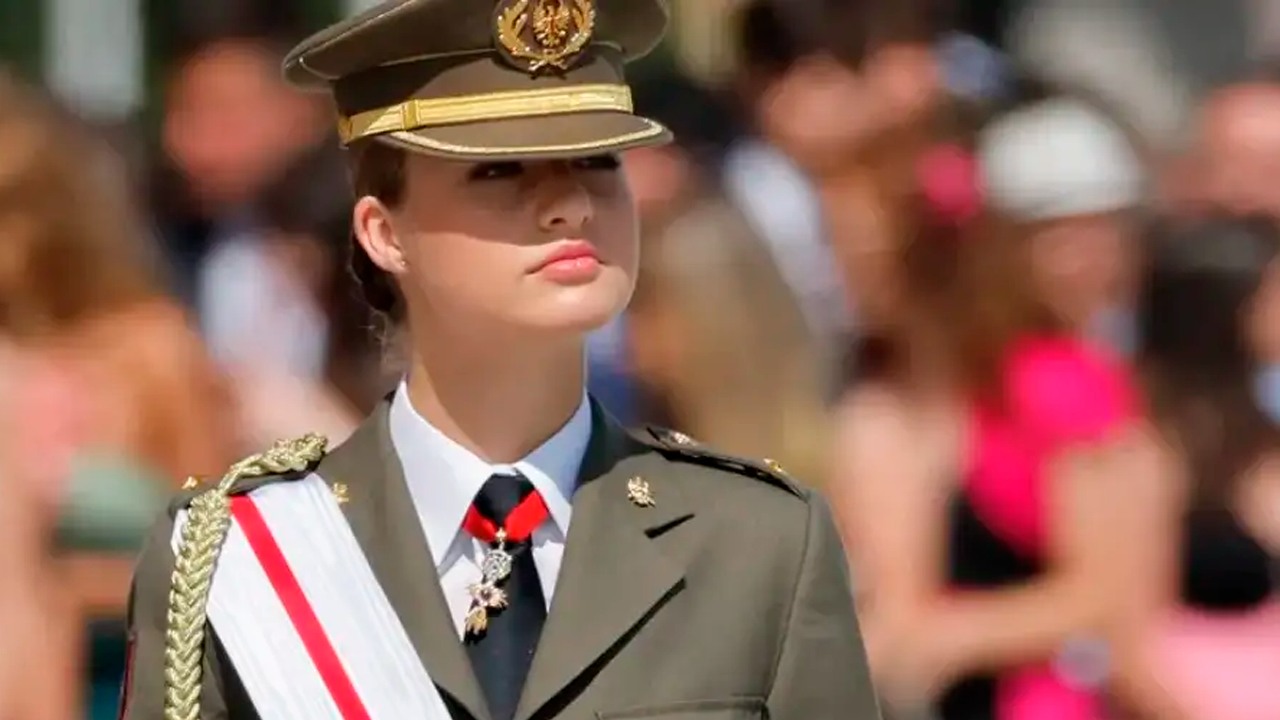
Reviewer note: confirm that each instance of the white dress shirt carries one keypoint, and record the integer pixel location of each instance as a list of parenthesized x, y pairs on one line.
[(445, 477)]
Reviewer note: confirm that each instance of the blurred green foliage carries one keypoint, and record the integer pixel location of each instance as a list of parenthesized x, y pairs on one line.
[(20, 33)]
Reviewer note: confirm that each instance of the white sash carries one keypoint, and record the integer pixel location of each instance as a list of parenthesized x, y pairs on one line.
[(259, 634)]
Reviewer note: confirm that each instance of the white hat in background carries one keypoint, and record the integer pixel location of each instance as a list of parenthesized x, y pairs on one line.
[(1056, 159)]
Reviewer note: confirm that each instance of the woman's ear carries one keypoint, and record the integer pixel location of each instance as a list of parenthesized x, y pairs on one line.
[(374, 227)]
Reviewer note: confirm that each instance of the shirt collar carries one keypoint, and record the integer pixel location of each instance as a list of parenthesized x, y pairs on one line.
[(444, 477)]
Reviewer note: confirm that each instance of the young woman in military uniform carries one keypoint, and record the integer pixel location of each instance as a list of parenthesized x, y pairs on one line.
[(490, 544)]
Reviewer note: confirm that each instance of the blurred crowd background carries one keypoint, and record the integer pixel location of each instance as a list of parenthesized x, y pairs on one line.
[(998, 276)]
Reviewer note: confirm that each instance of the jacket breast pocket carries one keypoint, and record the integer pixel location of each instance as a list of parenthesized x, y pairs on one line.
[(745, 708)]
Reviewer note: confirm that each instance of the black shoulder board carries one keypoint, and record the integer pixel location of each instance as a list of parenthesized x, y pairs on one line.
[(242, 486), (181, 500), (677, 445), (247, 485), (284, 461)]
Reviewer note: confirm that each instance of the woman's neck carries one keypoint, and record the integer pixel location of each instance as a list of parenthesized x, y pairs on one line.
[(499, 404)]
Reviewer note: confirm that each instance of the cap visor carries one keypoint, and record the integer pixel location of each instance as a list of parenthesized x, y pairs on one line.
[(535, 138)]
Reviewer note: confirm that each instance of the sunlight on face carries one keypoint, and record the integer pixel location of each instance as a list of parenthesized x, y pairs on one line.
[(545, 246)]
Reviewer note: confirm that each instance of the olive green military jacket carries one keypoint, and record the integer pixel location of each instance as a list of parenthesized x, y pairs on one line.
[(727, 598)]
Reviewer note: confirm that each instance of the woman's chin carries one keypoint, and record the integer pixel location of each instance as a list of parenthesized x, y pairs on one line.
[(577, 309), (580, 321)]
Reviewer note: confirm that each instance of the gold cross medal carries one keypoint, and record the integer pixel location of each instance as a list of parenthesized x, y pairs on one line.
[(486, 595)]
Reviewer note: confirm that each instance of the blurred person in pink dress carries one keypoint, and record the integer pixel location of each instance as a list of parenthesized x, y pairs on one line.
[(1209, 313), (105, 387), (990, 517)]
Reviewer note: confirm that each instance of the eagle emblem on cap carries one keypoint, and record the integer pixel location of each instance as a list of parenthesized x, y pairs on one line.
[(540, 34)]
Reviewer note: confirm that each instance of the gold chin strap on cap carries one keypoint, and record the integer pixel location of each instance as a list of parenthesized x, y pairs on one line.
[(506, 105)]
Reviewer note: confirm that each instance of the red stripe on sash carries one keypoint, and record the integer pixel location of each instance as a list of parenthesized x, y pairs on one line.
[(298, 608)]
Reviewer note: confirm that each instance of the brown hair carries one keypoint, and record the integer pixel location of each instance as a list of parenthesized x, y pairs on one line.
[(378, 171), (309, 207), (773, 34), (1197, 357), (722, 344), (66, 254), (962, 284)]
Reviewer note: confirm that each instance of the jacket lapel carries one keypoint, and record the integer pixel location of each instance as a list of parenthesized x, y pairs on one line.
[(382, 516), (613, 576)]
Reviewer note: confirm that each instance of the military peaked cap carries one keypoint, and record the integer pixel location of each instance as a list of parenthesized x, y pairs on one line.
[(487, 79)]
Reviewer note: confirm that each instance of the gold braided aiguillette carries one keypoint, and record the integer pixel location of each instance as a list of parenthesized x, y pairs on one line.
[(208, 520)]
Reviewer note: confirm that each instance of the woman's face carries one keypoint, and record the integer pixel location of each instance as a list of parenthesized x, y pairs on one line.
[(1081, 265), (547, 246)]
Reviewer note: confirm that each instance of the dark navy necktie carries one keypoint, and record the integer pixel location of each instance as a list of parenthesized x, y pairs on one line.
[(504, 515)]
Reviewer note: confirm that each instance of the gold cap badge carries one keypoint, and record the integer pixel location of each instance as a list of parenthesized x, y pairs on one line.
[(539, 34)]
